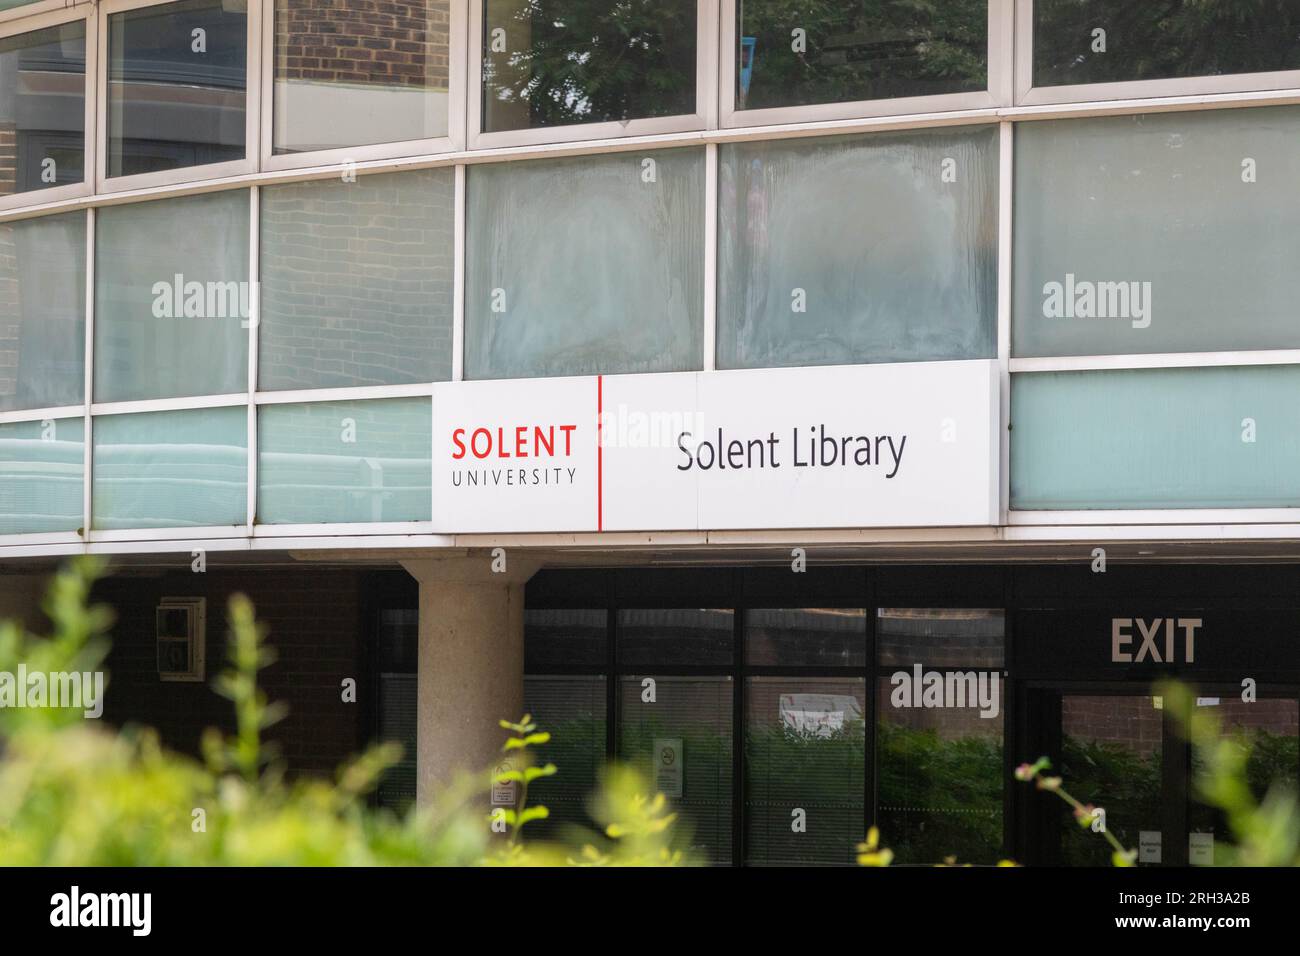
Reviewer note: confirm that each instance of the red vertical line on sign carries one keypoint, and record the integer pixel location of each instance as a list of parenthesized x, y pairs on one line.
[(600, 453)]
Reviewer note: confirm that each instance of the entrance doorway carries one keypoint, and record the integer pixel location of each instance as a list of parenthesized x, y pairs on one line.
[(1118, 748)]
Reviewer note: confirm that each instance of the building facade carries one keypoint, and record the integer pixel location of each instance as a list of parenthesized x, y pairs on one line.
[(824, 408)]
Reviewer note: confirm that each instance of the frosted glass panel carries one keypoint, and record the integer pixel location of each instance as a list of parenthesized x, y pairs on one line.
[(171, 298), (171, 469), (1160, 438), (1172, 232), (357, 281), (42, 312), (41, 472), (345, 461), (585, 266), (879, 248)]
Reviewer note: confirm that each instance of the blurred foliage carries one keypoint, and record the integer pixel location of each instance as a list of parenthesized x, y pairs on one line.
[(1262, 813), (76, 793)]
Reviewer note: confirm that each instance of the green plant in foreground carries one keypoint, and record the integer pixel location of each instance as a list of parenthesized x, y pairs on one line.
[(74, 792), (1084, 814), (1266, 831)]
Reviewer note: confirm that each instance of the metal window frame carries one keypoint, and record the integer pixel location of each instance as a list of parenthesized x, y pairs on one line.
[(53, 18), (454, 141), (1029, 95), (186, 174), (1001, 43), (34, 10), (704, 117)]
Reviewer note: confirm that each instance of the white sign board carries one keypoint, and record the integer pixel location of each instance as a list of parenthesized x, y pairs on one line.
[(515, 456), (1149, 844), (668, 762), (899, 445), (1200, 849), (817, 715)]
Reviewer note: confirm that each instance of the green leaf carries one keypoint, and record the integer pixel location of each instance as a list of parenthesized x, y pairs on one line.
[(534, 813), (532, 773)]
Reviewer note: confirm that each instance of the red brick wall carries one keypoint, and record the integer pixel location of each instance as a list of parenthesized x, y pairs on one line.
[(315, 623), (385, 42)]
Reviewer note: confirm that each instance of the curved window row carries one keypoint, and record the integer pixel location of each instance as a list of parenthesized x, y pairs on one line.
[(132, 93)]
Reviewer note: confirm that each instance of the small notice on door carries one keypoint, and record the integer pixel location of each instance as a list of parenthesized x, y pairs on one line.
[(668, 759), (1200, 849), (503, 793), (1149, 846)]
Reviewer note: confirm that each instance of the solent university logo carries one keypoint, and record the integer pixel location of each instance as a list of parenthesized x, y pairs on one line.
[(522, 456)]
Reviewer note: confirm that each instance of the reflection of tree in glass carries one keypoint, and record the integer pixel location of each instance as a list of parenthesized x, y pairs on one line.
[(1162, 39), (588, 61), (1126, 784), (940, 797), (871, 49), (823, 774)]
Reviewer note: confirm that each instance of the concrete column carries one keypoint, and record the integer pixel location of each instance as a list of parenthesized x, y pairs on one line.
[(471, 664)]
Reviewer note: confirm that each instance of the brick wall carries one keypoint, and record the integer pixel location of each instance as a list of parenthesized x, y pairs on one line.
[(315, 623), (8, 158), (9, 304), (384, 42)]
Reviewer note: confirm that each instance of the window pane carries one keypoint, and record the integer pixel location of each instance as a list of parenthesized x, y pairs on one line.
[(42, 467), (1268, 734), (858, 51), (806, 637), (1111, 750), (554, 62), (585, 266), (942, 637), (43, 108), (170, 469), (42, 312), (176, 86), (1153, 41), (676, 637), (345, 461), (347, 75), (688, 726), (399, 717), (858, 249), (940, 775), (1158, 438), (555, 639), (572, 711), (804, 749), (172, 297), (356, 281), (1142, 233)]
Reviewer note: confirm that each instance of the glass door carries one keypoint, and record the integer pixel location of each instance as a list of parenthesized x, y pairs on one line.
[(1114, 750)]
